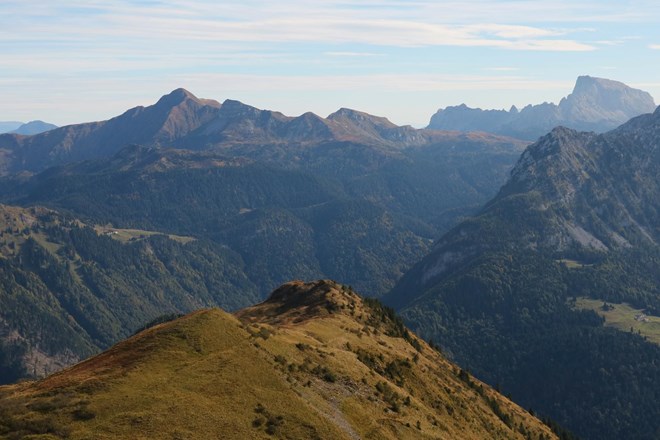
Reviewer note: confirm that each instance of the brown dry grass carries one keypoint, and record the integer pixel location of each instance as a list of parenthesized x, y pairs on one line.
[(309, 364)]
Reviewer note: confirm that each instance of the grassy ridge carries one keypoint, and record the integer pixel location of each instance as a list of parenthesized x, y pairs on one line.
[(321, 366)]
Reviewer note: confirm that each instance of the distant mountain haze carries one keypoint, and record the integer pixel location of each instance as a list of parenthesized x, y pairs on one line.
[(26, 129), (34, 127), (596, 104), (7, 126)]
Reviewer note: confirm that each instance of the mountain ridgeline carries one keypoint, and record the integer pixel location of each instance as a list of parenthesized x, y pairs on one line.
[(314, 361), (596, 104), (181, 120), (352, 197), (578, 218)]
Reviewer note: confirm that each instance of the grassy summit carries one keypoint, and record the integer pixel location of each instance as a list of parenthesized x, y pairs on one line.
[(314, 361)]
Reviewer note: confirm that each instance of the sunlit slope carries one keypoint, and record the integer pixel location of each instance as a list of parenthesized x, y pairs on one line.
[(315, 361)]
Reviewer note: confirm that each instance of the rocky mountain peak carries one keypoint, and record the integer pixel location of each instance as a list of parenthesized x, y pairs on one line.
[(176, 97), (598, 99), (298, 301), (588, 85), (596, 104)]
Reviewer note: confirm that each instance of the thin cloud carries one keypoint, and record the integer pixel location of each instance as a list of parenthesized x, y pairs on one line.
[(501, 69), (354, 54), (327, 23)]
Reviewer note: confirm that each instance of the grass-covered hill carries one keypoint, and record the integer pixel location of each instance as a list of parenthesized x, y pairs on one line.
[(502, 291), (315, 361)]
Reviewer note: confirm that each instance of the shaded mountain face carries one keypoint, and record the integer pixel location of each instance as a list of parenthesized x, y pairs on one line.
[(578, 218), (313, 361), (69, 290), (33, 127), (596, 104)]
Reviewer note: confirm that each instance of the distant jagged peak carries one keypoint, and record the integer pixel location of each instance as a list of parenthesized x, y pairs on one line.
[(586, 84), (596, 104), (180, 95), (595, 99), (175, 98)]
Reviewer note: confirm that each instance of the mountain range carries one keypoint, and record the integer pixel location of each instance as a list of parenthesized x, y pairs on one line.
[(596, 104), (181, 120), (249, 172), (254, 214), (577, 219), (314, 361), (190, 203)]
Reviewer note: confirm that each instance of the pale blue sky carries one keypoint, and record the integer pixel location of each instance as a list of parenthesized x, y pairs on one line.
[(74, 61)]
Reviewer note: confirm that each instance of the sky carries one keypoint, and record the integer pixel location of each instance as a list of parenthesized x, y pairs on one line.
[(72, 61)]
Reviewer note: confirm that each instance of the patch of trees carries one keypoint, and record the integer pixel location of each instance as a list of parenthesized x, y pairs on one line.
[(507, 318)]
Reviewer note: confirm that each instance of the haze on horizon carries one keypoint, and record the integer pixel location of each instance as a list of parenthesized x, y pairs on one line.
[(77, 61)]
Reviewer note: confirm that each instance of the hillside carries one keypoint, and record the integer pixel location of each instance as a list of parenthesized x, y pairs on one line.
[(69, 290), (314, 361), (351, 196), (342, 210), (596, 104), (578, 218)]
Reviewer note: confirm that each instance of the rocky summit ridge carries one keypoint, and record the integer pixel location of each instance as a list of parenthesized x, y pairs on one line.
[(596, 104)]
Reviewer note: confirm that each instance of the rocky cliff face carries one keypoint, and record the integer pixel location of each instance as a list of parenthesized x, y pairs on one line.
[(596, 104)]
